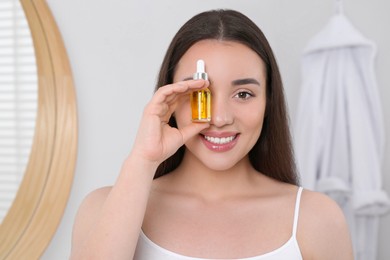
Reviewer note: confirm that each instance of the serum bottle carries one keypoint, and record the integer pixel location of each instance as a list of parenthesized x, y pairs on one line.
[(201, 99)]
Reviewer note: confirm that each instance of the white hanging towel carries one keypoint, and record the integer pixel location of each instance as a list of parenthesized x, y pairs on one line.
[(339, 132)]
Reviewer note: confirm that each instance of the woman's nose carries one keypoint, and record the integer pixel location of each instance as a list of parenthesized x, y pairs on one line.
[(221, 113)]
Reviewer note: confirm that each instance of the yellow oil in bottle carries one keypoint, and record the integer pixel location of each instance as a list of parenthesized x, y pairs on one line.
[(201, 105)]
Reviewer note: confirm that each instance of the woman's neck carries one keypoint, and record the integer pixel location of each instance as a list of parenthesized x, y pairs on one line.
[(193, 177)]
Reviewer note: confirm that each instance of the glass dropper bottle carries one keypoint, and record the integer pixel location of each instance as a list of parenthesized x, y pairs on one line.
[(201, 99)]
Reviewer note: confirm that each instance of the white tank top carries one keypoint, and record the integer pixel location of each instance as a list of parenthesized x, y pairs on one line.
[(148, 250)]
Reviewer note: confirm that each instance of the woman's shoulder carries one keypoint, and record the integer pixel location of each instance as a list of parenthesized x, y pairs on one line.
[(97, 195), (317, 207), (317, 202), (94, 199), (88, 211), (322, 228), (93, 202)]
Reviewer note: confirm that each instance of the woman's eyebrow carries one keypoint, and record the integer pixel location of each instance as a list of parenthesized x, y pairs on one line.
[(237, 82), (245, 81)]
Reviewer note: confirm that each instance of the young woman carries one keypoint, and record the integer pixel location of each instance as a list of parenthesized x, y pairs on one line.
[(226, 189)]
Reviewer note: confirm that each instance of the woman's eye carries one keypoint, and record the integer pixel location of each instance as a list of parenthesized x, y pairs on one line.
[(244, 95)]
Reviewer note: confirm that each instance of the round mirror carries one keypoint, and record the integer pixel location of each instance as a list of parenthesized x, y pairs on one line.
[(35, 213)]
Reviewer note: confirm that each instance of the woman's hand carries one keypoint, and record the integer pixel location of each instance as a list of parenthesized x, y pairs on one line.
[(156, 140), (109, 221)]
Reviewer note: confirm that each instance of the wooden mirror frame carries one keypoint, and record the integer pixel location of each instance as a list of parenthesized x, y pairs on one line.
[(42, 196)]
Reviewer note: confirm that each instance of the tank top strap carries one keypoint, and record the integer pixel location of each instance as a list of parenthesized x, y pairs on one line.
[(296, 211)]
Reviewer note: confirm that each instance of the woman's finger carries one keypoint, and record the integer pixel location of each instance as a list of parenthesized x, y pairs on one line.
[(164, 101), (169, 92), (192, 129)]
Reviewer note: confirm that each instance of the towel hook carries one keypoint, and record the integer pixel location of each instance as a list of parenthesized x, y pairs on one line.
[(339, 6)]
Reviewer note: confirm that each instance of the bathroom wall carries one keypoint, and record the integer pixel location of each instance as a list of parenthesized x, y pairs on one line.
[(116, 47)]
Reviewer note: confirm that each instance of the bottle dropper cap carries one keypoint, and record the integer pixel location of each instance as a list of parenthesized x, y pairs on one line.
[(200, 71)]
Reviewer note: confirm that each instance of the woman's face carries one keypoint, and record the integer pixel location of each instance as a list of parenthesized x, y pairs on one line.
[(237, 78)]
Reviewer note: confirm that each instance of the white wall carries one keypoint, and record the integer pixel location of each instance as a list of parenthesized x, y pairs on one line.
[(116, 47)]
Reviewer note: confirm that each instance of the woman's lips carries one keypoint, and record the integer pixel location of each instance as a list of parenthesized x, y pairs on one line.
[(220, 142)]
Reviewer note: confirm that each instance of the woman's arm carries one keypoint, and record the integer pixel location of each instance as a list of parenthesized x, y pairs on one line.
[(109, 220)]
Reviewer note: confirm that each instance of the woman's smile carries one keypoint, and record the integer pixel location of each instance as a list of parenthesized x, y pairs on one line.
[(219, 142)]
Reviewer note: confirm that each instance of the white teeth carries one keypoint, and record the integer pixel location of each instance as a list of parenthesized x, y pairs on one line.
[(219, 140)]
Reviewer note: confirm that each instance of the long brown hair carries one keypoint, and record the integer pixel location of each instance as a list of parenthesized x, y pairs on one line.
[(272, 154)]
